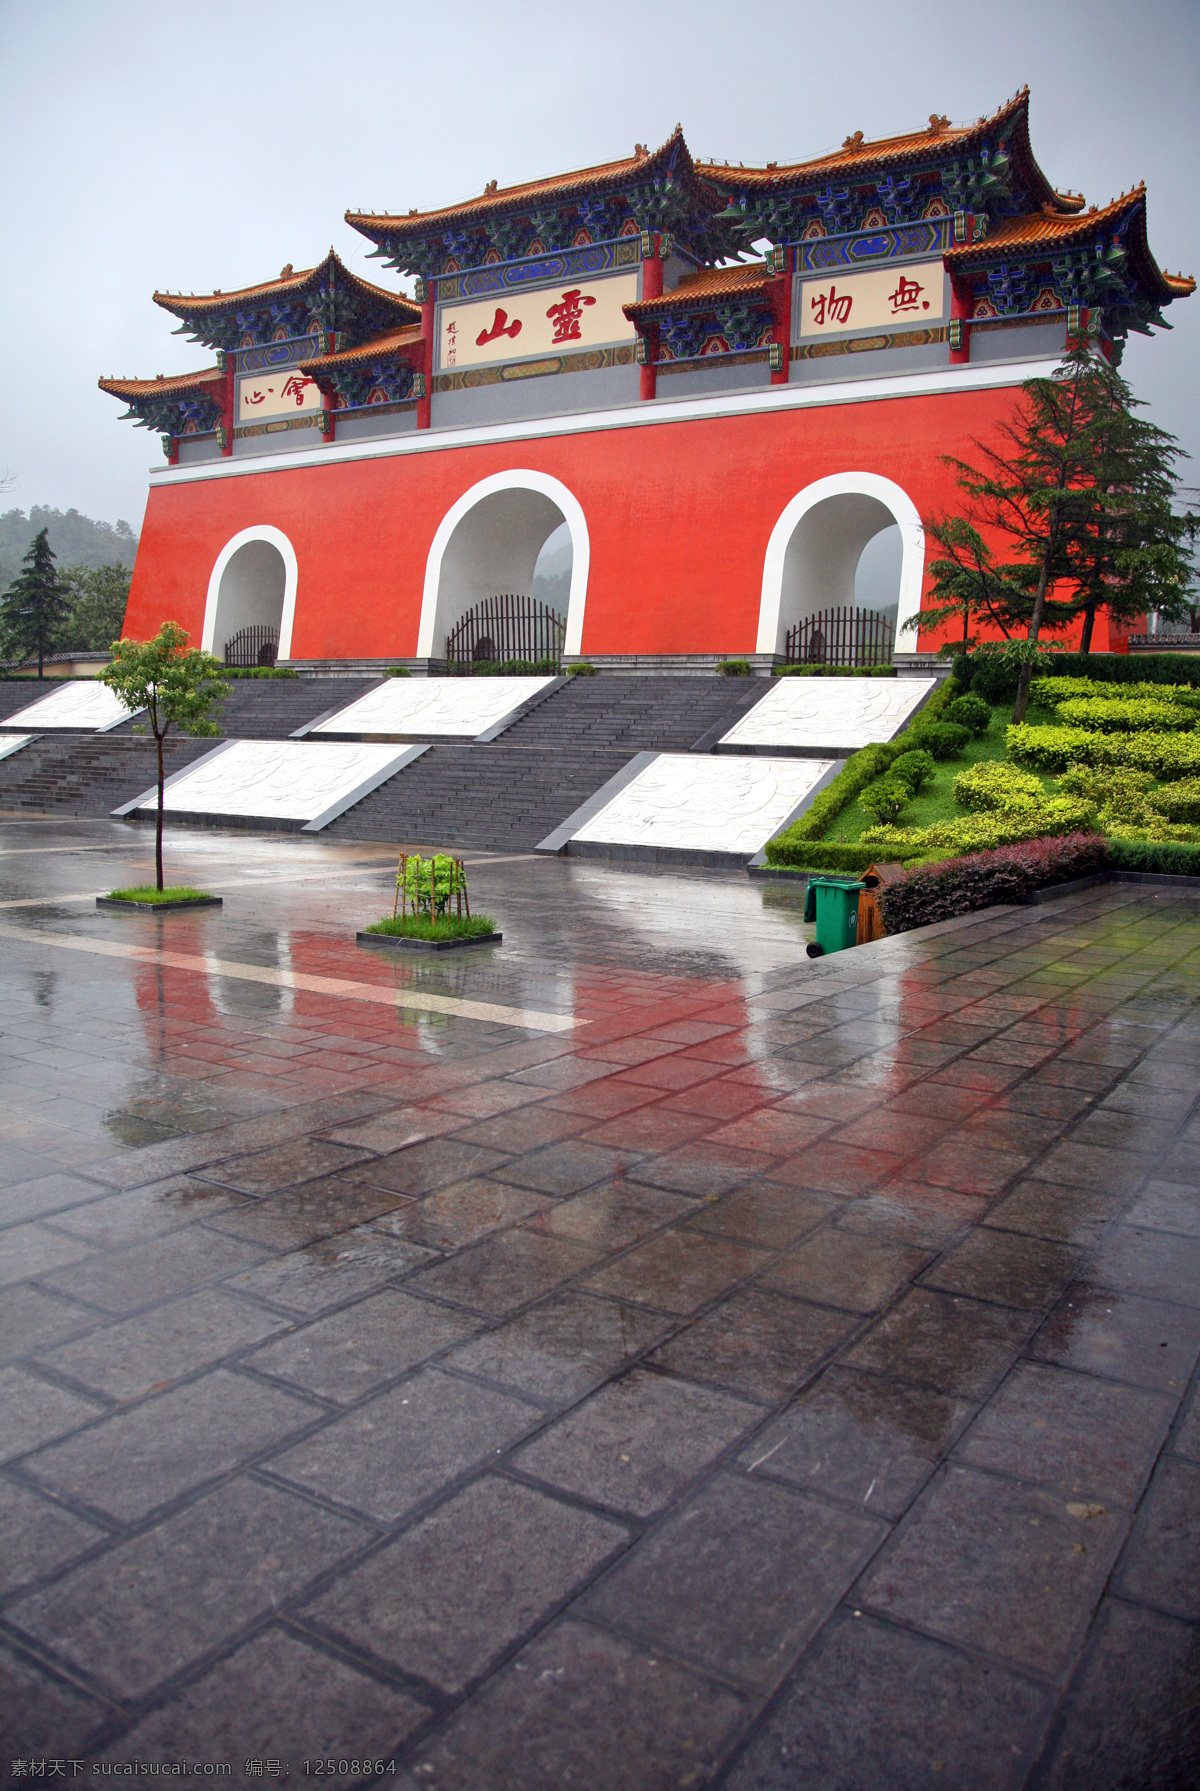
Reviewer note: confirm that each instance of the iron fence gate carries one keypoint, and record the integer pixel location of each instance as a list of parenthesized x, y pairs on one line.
[(507, 626), (841, 637), (252, 646)]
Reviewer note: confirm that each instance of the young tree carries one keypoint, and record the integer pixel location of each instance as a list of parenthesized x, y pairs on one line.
[(34, 608), (176, 686), (96, 596), (1081, 493)]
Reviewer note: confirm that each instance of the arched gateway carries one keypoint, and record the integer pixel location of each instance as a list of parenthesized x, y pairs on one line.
[(251, 604), (486, 548)]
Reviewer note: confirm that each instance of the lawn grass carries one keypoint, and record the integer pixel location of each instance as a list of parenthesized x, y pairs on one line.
[(446, 926), (936, 801), (148, 893)]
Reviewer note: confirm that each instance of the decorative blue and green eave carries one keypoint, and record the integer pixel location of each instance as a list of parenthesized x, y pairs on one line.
[(649, 192), (326, 306), (892, 184), (387, 370), (188, 404), (1098, 263), (716, 311)]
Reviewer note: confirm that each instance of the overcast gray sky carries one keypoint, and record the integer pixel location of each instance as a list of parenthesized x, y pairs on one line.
[(149, 143)]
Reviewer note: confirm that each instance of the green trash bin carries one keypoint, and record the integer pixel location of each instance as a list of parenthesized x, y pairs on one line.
[(833, 903)]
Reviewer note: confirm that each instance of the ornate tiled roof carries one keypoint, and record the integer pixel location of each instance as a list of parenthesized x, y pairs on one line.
[(858, 159), (1124, 217), (560, 189), (710, 286), (176, 385), (378, 348), (288, 285)]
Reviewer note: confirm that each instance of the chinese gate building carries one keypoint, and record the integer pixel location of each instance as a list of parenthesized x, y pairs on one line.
[(711, 385)]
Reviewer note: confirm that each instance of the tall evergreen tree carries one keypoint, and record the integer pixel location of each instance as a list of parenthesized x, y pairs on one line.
[(1082, 494), (33, 611)]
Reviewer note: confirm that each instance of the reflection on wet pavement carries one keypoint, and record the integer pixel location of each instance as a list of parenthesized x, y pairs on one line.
[(636, 1355)]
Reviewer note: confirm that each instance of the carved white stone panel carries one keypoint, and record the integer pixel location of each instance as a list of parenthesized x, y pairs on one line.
[(692, 802), (461, 708), (285, 780), (82, 703), (833, 713)]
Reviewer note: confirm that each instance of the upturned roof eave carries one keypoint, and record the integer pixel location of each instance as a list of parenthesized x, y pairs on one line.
[(184, 305)]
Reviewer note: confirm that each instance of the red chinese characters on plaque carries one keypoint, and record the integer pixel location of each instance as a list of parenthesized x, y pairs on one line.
[(832, 307), (543, 321), (878, 298), (566, 315)]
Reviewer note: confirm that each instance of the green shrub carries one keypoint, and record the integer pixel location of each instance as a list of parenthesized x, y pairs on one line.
[(146, 892), (734, 668), (860, 769), (1179, 801), (1053, 815), (963, 670), (1166, 756), (397, 671), (823, 855), (996, 785), (913, 768), (1011, 874), (969, 712), (886, 798), (883, 670), (1130, 668), (582, 670), (993, 678), (1048, 693), (1165, 858), (1135, 715), (941, 739)]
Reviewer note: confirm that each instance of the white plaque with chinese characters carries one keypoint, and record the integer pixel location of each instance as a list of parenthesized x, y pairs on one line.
[(276, 392), (902, 295), (511, 326)]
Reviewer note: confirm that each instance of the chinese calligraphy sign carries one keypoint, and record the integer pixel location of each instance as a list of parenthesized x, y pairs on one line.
[(540, 321), (873, 300), (279, 394)]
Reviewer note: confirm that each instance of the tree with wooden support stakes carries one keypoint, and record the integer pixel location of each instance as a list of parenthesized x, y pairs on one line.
[(177, 686), (1083, 495)]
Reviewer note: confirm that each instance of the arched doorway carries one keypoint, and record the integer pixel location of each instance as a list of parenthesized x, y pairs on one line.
[(508, 565), (251, 602), (820, 560)]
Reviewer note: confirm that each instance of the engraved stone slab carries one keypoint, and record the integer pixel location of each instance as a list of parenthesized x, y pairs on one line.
[(461, 708), (829, 713), (285, 780), (691, 802), (11, 743), (83, 704)]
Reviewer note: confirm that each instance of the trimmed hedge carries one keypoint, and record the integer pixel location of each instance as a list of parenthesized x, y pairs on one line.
[(969, 712), (996, 681), (1048, 693), (834, 671), (1137, 715), (1166, 857), (1009, 874), (1054, 749), (860, 769), (1057, 815), (831, 855)]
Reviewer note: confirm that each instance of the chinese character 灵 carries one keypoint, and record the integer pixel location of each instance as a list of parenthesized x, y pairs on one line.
[(566, 316)]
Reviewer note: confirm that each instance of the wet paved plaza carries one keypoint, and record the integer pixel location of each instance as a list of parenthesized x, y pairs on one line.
[(636, 1356)]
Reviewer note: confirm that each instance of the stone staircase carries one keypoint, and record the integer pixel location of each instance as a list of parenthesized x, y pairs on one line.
[(633, 713), (273, 708), (87, 774)]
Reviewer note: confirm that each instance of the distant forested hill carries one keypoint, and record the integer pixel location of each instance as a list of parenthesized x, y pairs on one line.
[(77, 540)]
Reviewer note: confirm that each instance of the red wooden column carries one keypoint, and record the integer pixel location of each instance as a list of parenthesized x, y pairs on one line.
[(780, 291), (228, 409), (962, 299), (425, 402), (652, 285)]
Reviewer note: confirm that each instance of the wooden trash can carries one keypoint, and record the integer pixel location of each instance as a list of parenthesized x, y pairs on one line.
[(870, 905)]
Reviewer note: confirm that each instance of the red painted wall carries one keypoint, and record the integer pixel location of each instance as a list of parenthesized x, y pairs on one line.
[(679, 517)]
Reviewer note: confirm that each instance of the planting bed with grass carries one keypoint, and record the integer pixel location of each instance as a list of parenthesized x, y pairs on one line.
[(442, 926), (160, 897)]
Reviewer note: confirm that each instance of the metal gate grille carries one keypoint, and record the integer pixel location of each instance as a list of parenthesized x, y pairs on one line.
[(841, 637), (252, 646), (507, 626)]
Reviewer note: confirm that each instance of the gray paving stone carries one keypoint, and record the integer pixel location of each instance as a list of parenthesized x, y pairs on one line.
[(847, 1271), (758, 1343), (958, 1345), (145, 1353), (462, 1214), (739, 1579), (873, 1706), (31, 1249), (1162, 1563), (142, 1612), (124, 1280), (868, 1441), (407, 1444), (42, 1717), (634, 1445), (31, 1319), (613, 1216), (329, 1273), (142, 1213), (987, 1564), (147, 1455), (1154, 1263), (507, 1271), (562, 1346), (33, 1410), (282, 1166), (679, 1270), (37, 1536), (1121, 1336), (343, 1356), (277, 1698), (1001, 1266), (580, 1707), (448, 1596)]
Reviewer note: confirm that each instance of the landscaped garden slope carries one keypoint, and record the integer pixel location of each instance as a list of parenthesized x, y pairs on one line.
[(1119, 758)]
